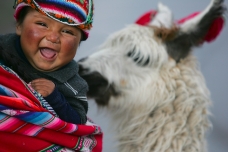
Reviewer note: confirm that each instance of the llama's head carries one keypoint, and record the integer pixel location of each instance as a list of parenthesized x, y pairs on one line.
[(133, 58)]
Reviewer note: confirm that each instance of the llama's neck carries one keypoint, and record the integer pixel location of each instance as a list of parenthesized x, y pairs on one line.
[(175, 123)]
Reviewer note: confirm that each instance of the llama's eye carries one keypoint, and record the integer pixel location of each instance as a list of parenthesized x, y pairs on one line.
[(146, 62), (131, 53), (142, 61), (138, 58)]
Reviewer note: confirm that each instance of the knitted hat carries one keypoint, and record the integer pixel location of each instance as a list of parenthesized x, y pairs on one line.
[(77, 13)]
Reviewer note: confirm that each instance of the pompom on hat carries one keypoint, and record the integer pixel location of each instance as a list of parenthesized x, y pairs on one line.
[(77, 13)]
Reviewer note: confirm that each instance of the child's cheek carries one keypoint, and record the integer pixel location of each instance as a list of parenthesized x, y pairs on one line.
[(33, 35), (70, 45)]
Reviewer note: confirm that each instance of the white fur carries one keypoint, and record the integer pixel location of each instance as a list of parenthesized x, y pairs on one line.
[(175, 94), (163, 106), (164, 17), (189, 25)]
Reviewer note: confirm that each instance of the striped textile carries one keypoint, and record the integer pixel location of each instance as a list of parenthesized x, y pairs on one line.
[(25, 125)]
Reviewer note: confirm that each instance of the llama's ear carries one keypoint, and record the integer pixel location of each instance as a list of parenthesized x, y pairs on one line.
[(163, 17), (192, 32)]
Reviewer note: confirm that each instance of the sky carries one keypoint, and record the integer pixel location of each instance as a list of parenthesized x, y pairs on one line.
[(111, 16)]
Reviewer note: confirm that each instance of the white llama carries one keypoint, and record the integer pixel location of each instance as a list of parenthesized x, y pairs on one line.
[(148, 79)]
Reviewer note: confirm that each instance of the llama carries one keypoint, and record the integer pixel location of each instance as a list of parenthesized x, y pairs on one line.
[(151, 84)]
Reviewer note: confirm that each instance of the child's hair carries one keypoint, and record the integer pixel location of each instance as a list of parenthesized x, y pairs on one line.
[(74, 12), (22, 14)]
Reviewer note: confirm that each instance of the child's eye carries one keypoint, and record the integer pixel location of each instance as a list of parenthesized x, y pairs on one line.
[(41, 23), (68, 32)]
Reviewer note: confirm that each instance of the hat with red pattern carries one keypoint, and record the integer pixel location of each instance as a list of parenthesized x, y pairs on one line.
[(77, 13)]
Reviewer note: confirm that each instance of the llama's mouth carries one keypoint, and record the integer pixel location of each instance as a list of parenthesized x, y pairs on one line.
[(99, 87)]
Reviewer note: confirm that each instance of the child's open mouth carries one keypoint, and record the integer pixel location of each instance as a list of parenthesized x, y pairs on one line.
[(48, 53)]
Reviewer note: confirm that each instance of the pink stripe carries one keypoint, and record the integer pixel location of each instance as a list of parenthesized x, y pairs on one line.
[(69, 14), (58, 124), (7, 124), (55, 123), (32, 130)]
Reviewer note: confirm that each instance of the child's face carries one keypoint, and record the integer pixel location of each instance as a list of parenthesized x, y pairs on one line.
[(47, 44)]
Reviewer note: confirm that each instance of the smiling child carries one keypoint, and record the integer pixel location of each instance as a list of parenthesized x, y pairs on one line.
[(42, 51)]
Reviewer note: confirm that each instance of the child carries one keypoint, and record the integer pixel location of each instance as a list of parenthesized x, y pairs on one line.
[(48, 33)]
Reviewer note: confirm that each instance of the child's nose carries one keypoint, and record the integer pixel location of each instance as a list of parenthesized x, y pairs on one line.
[(53, 37)]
